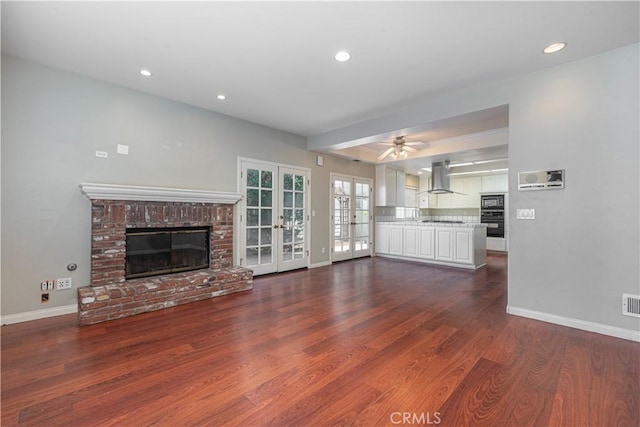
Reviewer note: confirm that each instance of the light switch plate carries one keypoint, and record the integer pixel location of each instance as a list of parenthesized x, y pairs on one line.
[(525, 214), (122, 149)]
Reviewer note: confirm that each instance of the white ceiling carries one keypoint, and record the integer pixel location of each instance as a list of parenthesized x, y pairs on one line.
[(274, 60)]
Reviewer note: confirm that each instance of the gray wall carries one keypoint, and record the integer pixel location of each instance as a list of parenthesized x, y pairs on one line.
[(582, 251), (52, 124)]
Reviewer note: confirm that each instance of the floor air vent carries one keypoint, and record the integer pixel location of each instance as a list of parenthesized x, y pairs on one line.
[(631, 305)]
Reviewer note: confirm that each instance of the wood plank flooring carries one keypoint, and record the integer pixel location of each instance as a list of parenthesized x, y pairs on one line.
[(370, 342)]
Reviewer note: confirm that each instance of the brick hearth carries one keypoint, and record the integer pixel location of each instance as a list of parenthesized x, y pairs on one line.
[(110, 296)]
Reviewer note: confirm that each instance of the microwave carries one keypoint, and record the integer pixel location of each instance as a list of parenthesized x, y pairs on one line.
[(492, 202)]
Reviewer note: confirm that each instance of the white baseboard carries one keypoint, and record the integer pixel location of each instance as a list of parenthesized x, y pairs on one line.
[(613, 331), (320, 264), (38, 314)]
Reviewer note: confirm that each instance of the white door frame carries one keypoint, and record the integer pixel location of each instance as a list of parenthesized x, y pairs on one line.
[(240, 207), (332, 177)]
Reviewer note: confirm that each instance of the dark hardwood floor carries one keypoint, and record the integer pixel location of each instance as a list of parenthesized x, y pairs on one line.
[(368, 342)]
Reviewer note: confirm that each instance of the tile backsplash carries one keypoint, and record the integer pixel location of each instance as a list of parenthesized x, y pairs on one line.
[(469, 215)]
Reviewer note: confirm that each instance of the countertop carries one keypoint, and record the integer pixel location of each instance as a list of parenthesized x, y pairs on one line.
[(433, 224)]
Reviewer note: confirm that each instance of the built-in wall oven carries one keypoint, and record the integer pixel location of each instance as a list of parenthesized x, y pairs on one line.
[(494, 221), (492, 214)]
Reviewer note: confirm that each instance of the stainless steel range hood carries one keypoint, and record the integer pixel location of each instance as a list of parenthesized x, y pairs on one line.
[(440, 180)]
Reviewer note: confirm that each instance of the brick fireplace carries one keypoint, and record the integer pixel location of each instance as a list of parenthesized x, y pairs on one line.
[(115, 209)]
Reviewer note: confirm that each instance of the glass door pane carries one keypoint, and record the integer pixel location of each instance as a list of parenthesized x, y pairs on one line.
[(351, 216), (342, 230), (273, 232), (293, 250), (362, 238), (258, 234)]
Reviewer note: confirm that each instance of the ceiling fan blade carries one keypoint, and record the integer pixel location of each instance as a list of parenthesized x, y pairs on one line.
[(414, 143), (386, 153), (409, 149), (386, 143)]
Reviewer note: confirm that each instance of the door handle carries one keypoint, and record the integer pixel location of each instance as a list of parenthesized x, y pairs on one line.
[(352, 223), (275, 226)]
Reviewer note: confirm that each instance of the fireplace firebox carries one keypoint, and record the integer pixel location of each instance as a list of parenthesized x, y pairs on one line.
[(156, 251)]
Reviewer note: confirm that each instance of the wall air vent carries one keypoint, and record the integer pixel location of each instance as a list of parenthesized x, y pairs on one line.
[(631, 305)]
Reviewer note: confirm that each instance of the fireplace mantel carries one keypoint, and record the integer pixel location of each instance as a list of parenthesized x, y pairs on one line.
[(156, 194)]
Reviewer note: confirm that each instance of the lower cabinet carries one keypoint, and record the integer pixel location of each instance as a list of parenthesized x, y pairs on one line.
[(411, 244), (444, 244), (447, 245), (389, 239), (463, 252), (427, 239), (395, 240), (383, 239)]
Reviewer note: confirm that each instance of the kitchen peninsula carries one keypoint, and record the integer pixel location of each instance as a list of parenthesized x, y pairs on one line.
[(450, 243)]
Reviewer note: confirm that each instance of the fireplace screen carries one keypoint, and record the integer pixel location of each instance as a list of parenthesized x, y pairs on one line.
[(154, 251)]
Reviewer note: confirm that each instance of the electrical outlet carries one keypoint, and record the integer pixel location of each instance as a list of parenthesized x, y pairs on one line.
[(44, 298), (64, 283)]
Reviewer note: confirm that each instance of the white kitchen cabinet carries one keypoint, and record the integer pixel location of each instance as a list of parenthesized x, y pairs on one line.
[(466, 194), (463, 246), (459, 197), (469, 189), (383, 238), (389, 239), (427, 240), (444, 201), (473, 186), (444, 244), (396, 240), (400, 184), (426, 200), (495, 183), (411, 242), (390, 185)]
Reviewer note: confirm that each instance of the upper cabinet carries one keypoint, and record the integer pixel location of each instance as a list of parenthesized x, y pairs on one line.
[(495, 183), (390, 185), (426, 200), (467, 192)]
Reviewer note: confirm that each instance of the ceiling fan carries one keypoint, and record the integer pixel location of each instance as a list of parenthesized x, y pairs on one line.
[(399, 148)]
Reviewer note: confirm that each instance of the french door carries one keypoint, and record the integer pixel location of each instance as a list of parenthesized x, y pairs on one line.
[(274, 224), (351, 217)]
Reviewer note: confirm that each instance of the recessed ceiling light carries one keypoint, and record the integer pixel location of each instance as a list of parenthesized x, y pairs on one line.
[(342, 56), (145, 72), (554, 47), (221, 97)]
